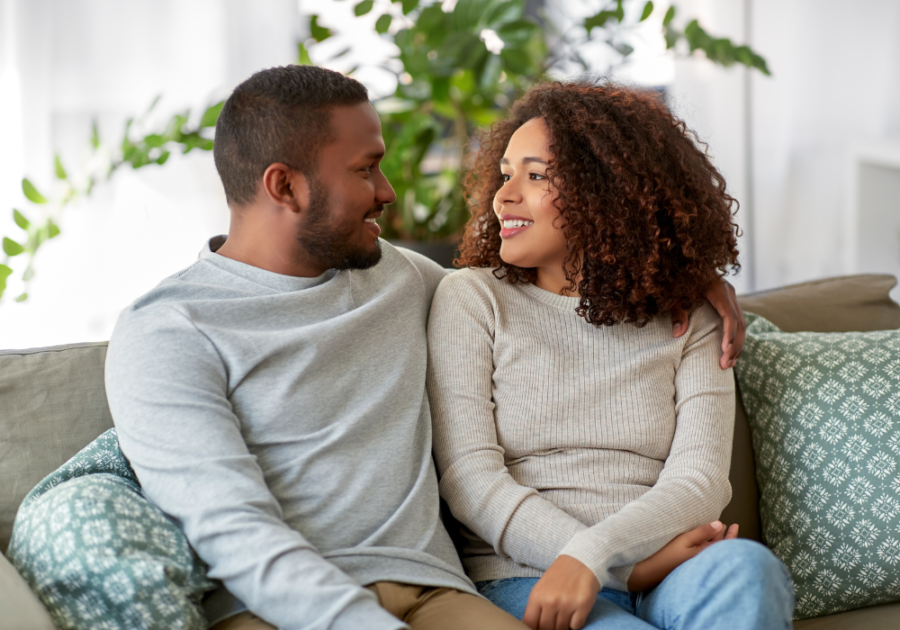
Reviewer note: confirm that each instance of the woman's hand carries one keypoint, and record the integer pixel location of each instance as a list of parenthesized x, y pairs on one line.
[(723, 298), (650, 572), (563, 597)]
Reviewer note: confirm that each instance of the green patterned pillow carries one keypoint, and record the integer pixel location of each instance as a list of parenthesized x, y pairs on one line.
[(824, 412), (102, 557)]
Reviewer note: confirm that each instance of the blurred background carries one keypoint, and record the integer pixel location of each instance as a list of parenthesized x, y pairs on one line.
[(107, 183)]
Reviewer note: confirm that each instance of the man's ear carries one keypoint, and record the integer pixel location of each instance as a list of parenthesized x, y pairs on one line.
[(286, 187)]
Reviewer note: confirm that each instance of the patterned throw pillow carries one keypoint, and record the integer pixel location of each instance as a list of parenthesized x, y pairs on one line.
[(824, 412), (102, 557)]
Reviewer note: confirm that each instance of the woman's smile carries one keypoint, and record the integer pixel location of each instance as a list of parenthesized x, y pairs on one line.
[(512, 225)]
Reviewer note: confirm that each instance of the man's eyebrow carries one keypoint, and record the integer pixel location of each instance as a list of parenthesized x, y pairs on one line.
[(526, 160), (373, 155)]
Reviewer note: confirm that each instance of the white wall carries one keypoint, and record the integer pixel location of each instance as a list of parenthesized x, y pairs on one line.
[(65, 62), (836, 81)]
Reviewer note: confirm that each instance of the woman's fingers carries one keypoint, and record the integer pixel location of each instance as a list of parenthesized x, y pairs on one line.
[(732, 532), (532, 614), (680, 319), (704, 533), (579, 618)]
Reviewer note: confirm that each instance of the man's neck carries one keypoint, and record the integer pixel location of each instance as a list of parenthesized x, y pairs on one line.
[(267, 241)]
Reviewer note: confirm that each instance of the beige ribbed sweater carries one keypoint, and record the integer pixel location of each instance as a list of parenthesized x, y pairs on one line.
[(553, 436)]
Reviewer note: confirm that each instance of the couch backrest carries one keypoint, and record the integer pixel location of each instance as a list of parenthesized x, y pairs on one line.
[(841, 304), (52, 404)]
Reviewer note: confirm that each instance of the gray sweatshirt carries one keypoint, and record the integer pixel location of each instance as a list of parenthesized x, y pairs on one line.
[(283, 423)]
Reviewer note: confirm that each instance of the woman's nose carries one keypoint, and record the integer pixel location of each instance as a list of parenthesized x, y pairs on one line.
[(509, 192)]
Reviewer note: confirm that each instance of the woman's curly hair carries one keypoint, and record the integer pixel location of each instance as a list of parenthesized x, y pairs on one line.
[(644, 210)]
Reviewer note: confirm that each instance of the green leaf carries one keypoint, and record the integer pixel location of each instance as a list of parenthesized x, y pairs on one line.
[(303, 56), (383, 23), (20, 219), (408, 5), (318, 33), (670, 15), (95, 135), (624, 49), (162, 158), (672, 37), (5, 272), (31, 193), (11, 247), (363, 7), (599, 20), (22, 297), (60, 171), (620, 11), (648, 9), (211, 115), (52, 229)]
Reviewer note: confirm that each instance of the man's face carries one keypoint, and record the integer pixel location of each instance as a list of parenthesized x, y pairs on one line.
[(347, 193)]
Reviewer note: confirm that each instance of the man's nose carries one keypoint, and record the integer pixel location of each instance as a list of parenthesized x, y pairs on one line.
[(384, 192)]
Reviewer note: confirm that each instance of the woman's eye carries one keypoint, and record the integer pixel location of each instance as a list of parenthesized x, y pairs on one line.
[(504, 177), (536, 176)]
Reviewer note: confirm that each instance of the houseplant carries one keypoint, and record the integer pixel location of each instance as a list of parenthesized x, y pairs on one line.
[(458, 68)]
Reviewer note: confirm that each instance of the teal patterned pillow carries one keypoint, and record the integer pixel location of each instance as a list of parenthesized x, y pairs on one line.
[(102, 557), (824, 412)]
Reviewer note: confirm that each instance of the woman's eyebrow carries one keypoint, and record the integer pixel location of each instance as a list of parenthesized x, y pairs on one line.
[(526, 160)]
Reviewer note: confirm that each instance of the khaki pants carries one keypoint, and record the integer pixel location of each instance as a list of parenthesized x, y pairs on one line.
[(422, 607)]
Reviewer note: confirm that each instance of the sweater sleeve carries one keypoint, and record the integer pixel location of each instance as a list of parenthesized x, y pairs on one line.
[(693, 487), (167, 390), (514, 519)]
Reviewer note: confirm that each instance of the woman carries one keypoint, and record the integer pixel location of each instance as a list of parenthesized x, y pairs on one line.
[(573, 434)]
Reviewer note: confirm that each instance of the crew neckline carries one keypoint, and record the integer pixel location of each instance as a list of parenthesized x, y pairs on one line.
[(270, 279), (562, 302)]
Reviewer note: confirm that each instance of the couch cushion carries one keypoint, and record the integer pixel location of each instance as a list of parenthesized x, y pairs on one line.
[(98, 554), (843, 304), (860, 302), (53, 403), (21, 609), (883, 617), (824, 409)]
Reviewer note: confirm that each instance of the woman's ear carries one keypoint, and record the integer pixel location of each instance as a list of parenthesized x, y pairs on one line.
[(286, 187)]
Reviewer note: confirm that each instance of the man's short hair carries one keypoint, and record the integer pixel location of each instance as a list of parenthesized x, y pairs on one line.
[(277, 115)]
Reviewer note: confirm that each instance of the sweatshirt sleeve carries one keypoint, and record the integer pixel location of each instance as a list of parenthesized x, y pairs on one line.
[(514, 519), (693, 487), (167, 390)]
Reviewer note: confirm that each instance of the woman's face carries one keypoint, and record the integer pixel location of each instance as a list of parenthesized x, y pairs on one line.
[(530, 222)]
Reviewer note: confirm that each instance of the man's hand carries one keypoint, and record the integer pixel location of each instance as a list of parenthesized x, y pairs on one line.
[(563, 597), (650, 572), (723, 298)]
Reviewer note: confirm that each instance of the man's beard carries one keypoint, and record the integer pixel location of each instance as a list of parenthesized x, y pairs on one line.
[(327, 246)]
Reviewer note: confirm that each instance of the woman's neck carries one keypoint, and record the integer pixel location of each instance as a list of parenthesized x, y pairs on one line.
[(554, 281)]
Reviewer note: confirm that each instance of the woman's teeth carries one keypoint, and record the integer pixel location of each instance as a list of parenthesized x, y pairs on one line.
[(371, 220), (516, 224)]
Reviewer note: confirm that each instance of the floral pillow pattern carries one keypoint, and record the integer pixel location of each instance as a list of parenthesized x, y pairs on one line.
[(99, 555), (824, 412)]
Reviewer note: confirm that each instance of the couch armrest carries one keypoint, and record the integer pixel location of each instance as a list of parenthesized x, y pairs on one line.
[(21, 608)]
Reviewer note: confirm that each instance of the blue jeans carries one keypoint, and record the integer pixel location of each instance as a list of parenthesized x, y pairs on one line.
[(735, 584)]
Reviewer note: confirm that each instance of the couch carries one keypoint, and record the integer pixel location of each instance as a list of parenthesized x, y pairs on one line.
[(53, 403)]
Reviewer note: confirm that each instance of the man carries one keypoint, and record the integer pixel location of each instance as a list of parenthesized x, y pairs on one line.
[(270, 397)]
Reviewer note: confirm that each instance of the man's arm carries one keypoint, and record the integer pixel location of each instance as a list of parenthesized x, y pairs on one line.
[(167, 390), (723, 298)]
